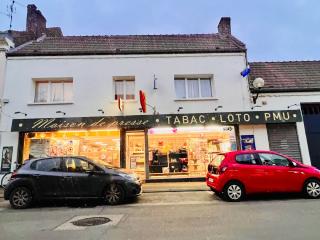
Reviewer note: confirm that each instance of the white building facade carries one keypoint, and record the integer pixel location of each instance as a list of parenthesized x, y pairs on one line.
[(64, 101)]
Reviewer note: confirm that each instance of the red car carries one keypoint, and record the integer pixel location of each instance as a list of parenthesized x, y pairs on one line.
[(233, 175)]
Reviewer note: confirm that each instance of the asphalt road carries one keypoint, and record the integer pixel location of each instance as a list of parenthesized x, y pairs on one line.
[(175, 215)]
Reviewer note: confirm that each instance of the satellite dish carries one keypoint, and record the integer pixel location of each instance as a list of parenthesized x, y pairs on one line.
[(258, 83)]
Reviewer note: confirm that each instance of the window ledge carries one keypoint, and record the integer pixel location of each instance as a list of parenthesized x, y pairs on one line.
[(51, 103), (126, 101), (196, 99)]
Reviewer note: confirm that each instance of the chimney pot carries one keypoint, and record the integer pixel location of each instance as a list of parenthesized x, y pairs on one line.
[(36, 22), (224, 26)]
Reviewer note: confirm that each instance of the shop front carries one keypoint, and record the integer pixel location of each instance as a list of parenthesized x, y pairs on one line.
[(173, 146)]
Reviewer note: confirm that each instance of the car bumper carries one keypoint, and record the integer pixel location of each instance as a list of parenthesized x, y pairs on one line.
[(215, 182), (134, 189)]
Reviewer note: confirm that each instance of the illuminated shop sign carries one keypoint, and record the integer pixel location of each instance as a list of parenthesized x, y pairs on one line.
[(148, 121)]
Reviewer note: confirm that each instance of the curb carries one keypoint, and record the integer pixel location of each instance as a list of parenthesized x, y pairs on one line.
[(175, 190)]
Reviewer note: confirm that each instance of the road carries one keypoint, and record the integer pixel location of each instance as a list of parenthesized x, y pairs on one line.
[(173, 215)]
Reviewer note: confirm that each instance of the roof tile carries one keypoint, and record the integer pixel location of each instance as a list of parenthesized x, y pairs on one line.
[(287, 76), (131, 44)]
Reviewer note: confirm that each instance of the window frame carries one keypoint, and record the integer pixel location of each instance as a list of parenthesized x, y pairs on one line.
[(256, 158), (124, 79), (198, 78), (50, 81), (65, 169), (261, 161), (33, 165)]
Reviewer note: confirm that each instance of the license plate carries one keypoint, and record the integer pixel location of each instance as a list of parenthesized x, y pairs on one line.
[(210, 180)]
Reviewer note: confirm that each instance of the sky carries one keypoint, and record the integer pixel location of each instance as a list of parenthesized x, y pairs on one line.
[(273, 30)]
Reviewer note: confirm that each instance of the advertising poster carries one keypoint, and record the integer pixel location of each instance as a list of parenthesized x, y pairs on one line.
[(247, 142), (6, 159)]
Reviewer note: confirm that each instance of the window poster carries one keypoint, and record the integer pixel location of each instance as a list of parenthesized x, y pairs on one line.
[(133, 162), (248, 142), (6, 159)]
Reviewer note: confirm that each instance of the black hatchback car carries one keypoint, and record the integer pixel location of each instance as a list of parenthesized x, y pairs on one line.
[(69, 178)]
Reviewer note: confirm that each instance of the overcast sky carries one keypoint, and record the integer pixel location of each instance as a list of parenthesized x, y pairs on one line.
[(273, 30)]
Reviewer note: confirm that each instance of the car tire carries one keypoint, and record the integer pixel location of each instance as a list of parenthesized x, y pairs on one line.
[(311, 188), (114, 194), (20, 198), (233, 192)]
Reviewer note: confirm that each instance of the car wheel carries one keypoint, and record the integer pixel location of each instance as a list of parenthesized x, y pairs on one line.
[(20, 197), (312, 188), (114, 194), (233, 192)]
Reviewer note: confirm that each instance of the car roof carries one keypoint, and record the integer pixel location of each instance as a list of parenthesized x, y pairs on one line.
[(251, 152)]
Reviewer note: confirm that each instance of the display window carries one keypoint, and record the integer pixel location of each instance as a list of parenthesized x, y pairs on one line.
[(186, 151), (100, 145)]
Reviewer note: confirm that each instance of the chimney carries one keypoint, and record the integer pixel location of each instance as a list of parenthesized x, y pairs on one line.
[(36, 22), (224, 26)]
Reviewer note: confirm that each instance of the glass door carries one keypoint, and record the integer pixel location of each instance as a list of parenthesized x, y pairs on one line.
[(135, 152)]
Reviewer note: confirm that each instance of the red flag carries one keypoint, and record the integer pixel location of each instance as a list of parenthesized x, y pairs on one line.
[(120, 104), (143, 101)]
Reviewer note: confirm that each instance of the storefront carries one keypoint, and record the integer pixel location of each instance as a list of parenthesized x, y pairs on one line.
[(154, 146)]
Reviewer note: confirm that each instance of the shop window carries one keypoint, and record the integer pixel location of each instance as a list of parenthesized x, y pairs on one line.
[(53, 91), (193, 87), (246, 159), (100, 146), (187, 151), (124, 88), (47, 165)]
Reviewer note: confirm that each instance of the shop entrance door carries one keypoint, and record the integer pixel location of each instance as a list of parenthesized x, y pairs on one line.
[(135, 152)]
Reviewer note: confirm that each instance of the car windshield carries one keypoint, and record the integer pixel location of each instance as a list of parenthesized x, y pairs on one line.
[(217, 160)]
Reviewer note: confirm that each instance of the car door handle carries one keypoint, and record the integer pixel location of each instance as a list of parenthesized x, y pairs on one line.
[(36, 175), (293, 171)]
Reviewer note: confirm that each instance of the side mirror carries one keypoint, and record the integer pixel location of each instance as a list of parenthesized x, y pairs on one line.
[(293, 164), (210, 167)]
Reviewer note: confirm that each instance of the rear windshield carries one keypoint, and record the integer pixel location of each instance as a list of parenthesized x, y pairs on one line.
[(217, 160)]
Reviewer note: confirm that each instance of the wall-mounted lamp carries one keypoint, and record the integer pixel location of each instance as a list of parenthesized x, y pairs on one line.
[(258, 106), (179, 108), (293, 105), (100, 110), (21, 113), (155, 82), (257, 84), (218, 107), (61, 112)]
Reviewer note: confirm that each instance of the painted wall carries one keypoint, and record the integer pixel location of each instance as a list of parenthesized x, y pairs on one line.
[(93, 83), (260, 134), (281, 101), (93, 86)]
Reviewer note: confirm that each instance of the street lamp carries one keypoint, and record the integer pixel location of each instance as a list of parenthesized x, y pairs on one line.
[(257, 84)]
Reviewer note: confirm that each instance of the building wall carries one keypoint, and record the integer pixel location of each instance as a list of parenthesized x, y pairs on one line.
[(93, 84), (281, 101), (93, 87), (260, 133)]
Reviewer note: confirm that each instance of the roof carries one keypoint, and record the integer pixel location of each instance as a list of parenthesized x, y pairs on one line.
[(286, 76), (131, 44), (21, 37)]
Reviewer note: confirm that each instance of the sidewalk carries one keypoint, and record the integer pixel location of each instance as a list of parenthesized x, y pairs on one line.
[(174, 187)]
